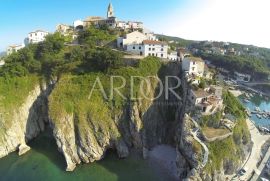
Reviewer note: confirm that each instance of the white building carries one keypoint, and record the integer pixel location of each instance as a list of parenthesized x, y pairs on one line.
[(173, 56), (134, 38), (122, 25), (135, 25), (242, 77), (78, 25), (130, 39), (14, 48), (193, 66), (149, 48), (36, 37)]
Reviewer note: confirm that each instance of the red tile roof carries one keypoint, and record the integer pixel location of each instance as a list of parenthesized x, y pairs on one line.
[(152, 42)]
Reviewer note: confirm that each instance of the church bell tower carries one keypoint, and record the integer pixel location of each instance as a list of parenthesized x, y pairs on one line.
[(110, 12)]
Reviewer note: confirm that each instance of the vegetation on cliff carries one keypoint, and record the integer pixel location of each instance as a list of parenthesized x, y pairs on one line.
[(72, 95), (222, 152), (13, 92)]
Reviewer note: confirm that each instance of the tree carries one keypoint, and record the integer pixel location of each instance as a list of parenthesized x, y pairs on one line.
[(105, 58), (202, 84), (95, 37)]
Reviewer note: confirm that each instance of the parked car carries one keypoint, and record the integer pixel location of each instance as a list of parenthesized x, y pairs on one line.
[(264, 179), (243, 171), (268, 164)]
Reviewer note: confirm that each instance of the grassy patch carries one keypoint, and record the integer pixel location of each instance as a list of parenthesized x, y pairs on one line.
[(212, 132), (13, 91), (230, 148), (71, 96)]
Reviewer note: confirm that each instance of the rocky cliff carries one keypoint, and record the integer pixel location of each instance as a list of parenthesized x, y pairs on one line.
[(93, 126), (85, 129), (23, 123)]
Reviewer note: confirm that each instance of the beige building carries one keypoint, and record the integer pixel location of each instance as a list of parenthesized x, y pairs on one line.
[(208, 101), (92, 21), (14, 48), (130, 39), (64, 29)]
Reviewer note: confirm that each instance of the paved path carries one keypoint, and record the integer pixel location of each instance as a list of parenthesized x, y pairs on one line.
[(256, 83), (258, 141), (262, 166), (206, 151)]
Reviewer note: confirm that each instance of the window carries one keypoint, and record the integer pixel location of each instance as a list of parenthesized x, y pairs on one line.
[(149, 49), (149, 54), (140, 48), (153, 54), (162, 55), (153, 49), (162, 49), (133, 47), (193, 68), (194, 63)]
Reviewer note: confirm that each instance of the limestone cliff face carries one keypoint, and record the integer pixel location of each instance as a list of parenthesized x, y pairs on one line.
[(140, 124), (24, 123)]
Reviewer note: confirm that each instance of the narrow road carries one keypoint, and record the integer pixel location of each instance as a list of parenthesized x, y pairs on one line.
[(256, 83), (258, 140), (206, 151), (262, 166)]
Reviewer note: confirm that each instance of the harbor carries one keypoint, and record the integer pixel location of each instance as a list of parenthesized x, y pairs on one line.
[(258, 109)]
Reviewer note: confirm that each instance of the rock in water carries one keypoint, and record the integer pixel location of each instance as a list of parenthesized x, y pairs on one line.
[(23, 148)]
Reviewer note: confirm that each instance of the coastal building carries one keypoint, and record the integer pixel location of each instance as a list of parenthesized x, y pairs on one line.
[(78, 25), (149, 48), (13, 48), (134, 38), (182, 53), (36, 36), (64, 29), (173, 56), (155, 48), (135, 25), (112, 22), (240, 77), (92, 21), (193, 66), (208, 101)]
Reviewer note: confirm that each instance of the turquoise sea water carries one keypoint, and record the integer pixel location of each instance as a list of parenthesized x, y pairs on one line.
[(44, 162), (263, 103)]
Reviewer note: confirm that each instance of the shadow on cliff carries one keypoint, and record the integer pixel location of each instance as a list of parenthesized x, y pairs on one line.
[(159, 127), (38, 131), (45, 145)]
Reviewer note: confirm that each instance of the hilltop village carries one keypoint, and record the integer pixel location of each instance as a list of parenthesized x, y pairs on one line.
[(212, 116)]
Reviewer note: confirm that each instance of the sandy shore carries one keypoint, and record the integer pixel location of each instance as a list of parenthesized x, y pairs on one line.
[(164, 157)]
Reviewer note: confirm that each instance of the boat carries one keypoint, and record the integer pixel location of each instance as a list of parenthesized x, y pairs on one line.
[(257, 109), (259, 116), (246, 100), (265, 116)]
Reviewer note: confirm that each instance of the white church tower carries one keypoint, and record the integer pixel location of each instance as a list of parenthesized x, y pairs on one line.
[(110, 12)]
